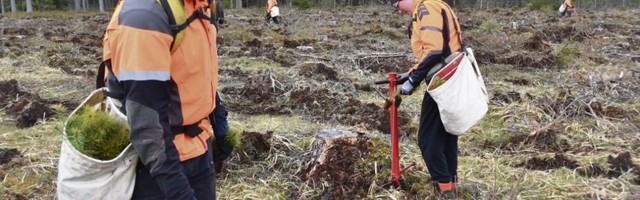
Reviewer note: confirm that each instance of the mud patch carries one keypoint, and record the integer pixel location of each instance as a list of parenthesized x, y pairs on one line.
[(536, 43), (235, 72), (293, 43), (527, 59), (256, 145), (327, 105), (500, 98), (558, 161), (258, 95), (545, 141), (622, 163), (559, 33), (27, 108), (591, 171), (617, 165), (385, 64), (318, 70), (7, 155), (519, 81), (32, 112), (256, 48), (366, 87)]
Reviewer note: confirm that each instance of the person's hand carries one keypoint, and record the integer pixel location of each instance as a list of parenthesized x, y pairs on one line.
[(407, 87)]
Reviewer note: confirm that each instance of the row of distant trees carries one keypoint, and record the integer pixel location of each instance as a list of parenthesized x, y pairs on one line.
[(102, 5)]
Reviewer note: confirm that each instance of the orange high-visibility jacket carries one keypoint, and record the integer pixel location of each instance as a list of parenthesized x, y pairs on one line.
[(435, 35), (163, 91), (568, 3), (271, 4)]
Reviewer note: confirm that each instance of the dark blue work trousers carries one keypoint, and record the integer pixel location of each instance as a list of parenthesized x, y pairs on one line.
[(199, 171), (439, 148)]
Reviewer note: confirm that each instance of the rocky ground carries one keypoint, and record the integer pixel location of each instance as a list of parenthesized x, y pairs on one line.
[(563, 122)]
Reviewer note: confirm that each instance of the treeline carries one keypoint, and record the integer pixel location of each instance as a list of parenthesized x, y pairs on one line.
[(107, 5)]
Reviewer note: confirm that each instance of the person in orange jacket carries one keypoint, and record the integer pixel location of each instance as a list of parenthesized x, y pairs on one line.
[(270, 5), (435, 34), (166, 96), (569, 9)]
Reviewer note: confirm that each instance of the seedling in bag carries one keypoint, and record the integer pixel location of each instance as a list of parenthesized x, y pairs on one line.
[(444, 74)]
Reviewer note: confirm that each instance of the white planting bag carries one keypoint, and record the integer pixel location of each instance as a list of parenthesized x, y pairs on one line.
[(562, 8), (83, 177), (275, 11), (463, 99)]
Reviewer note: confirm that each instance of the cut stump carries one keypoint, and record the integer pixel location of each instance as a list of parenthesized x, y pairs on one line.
[(334, 158)]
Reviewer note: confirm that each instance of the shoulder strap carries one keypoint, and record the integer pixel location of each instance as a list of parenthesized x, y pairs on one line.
[(455, 23), (175, 12), (178, 21)]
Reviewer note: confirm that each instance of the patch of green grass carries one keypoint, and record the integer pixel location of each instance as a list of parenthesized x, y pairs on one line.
[(33, 175), (236, 35), (491, 129), (566, 53), (281, 125), (490, 26), (54, 14), (302, 4), (248, 65), (542, 4)]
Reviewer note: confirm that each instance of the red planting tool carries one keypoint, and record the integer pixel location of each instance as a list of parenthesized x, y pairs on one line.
[(392, 103)]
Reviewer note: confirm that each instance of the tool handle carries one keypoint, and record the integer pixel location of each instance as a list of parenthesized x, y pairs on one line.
[(381, 82), (399, 81)]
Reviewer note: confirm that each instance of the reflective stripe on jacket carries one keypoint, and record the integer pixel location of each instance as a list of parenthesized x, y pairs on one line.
[(163, 90), (434, 24)]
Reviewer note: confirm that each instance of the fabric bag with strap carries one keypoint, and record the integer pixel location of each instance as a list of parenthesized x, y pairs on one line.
[(84, 177), (463, 99)]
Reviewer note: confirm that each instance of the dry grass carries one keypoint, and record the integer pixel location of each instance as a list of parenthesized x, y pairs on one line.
[(597, 70)]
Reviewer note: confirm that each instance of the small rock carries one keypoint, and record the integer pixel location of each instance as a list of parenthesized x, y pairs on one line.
[(322, 37), (305, 48), (21, 37)]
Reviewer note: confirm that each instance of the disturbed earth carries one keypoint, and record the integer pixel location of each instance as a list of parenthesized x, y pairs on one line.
[(563, 121)]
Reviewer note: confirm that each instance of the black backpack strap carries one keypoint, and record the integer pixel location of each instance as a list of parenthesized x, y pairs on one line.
[(172, 19), (100, 76), (198, 14), (100, 79)]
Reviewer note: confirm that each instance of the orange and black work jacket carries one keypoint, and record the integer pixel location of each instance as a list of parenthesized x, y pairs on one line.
[(435, 35), (166, 96), (568, 3), (271, 4)]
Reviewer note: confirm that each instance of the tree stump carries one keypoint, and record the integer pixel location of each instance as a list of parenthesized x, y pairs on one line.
[(334, 158)]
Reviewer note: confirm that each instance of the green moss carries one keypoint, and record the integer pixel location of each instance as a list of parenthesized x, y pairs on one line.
[(96, 134)]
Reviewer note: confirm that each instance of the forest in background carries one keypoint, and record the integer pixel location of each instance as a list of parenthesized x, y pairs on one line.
[(12, 6)]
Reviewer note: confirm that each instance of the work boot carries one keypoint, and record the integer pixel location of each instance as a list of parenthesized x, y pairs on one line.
[(445, 190)]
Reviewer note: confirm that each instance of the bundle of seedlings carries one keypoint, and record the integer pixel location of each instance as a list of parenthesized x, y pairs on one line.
[(231, 140), (96, 134)]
